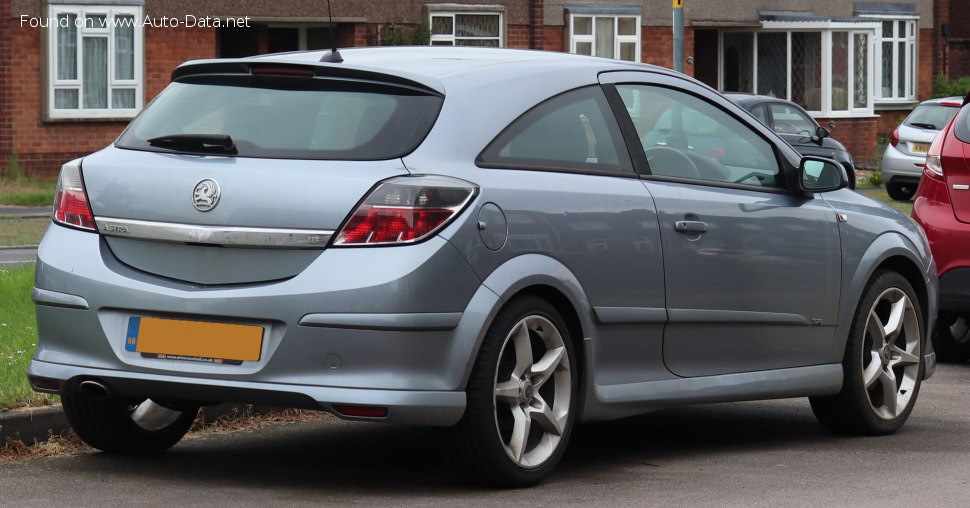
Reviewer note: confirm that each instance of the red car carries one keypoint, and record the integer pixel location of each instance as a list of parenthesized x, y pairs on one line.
[(942, 208)]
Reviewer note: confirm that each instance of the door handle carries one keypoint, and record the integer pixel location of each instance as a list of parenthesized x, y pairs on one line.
[(690, 226)]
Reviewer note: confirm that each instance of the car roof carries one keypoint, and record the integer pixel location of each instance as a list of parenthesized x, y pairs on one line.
[(433, 66)]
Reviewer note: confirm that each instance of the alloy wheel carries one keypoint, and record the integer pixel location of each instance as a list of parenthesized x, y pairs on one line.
[(533, 387), (894, 345)]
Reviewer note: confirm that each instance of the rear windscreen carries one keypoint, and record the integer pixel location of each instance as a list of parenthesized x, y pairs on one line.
[(373, 123), (930, 116)]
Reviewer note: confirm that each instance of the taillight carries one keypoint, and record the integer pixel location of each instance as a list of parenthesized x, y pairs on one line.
[(894, 139), (934, 163), (405, 210), (71, 206)]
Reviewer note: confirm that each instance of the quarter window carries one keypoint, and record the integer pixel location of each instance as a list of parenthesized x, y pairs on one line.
[(686, 137), (605, 36), (95, 60), (483, 29), (572, 131)]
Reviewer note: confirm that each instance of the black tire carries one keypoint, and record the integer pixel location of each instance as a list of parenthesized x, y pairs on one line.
[(900, 191), (951, 337), (852, 410), (107, 424), (476, 445)]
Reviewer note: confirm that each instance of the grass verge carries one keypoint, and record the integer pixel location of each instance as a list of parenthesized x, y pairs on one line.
[(15, 232), (880, 195), (28, 192), (18, 339)]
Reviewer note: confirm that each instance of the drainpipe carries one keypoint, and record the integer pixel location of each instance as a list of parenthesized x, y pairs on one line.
[(678, 35)]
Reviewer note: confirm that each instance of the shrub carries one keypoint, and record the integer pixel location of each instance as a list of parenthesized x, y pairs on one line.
[(943, 87)]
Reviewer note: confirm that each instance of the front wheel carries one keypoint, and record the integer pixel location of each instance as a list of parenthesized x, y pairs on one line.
[(521, 398), (115, 426), (951, 337), (883, 362)]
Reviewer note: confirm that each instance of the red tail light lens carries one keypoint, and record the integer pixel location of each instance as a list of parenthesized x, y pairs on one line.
[(405, 210), (894, 139), (71, 206), (934, 164)]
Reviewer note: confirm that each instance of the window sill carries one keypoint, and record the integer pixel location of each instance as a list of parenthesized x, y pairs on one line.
[(79, 119), (895, 105)]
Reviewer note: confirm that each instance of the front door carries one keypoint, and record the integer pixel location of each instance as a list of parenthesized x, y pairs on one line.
[(752, 272)]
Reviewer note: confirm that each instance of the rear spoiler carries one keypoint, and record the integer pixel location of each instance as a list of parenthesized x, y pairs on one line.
[(243, 67)]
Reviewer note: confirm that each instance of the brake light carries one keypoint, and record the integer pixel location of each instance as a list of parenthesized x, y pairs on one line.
[(405, 210), (71, 207), (894, 139), (934, 164)]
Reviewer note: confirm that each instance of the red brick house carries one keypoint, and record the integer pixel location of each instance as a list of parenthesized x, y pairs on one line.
[(73, 72)]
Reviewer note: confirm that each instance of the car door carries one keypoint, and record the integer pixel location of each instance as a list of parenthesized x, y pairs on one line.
[(752, 270)]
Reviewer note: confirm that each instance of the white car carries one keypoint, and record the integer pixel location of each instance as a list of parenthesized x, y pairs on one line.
[(902, 162)]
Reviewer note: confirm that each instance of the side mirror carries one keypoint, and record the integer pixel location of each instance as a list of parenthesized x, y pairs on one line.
[(821, 132), (817, 174)]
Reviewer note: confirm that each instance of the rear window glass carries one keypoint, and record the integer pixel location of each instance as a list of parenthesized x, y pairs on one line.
[(315, 123), (930, 116), (961, 126)]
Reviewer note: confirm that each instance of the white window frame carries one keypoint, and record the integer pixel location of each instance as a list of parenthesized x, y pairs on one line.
[(137, 84), (871, 30), (575, 39), (452, 38), (911, 59)]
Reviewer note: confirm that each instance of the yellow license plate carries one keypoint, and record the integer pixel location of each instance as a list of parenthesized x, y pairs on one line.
[(921, 147), (175, 339)]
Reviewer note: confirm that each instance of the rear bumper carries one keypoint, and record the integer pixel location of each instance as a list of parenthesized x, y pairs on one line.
[(403, 406), (400, 333), (897, 165)]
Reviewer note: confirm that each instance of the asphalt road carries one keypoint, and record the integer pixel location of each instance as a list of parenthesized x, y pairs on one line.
[(16, 257), (745, 454)]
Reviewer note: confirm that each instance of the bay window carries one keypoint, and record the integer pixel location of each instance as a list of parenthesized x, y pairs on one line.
[(95, 60), (824, 67)]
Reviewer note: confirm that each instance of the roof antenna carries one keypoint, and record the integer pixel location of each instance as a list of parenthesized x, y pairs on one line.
[(334, 55)]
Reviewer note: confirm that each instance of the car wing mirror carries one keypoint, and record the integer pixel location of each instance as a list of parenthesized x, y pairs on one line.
[(818, 174), (821, 132)]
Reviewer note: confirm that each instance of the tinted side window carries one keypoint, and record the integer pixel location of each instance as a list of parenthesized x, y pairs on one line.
[(789, 120), (686, 137), (573, 131)]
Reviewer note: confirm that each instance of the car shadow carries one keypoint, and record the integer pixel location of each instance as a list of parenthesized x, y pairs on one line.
[(360, 458)]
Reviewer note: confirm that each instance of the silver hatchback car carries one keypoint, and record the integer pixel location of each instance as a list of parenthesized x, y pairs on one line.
[(498, 243), (904, 158)]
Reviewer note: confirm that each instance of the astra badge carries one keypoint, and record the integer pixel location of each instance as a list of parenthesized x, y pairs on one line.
[(205, 197)]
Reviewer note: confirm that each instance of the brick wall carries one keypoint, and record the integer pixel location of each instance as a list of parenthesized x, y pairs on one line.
[(927, 71), (43, 146), (6, 97), (959, 58), (518, 36), (555, 38), (857, 134), (657, 47), (537, 18)]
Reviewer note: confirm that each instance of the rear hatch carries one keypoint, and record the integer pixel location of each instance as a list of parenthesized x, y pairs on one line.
[(922, 125), (955, 160), (240, 173)]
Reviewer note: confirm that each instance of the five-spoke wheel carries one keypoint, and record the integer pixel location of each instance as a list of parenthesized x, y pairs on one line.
[(521, 398), (883, 361)]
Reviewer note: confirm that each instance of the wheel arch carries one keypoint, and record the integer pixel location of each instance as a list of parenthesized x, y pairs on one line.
[(894, 252), (547, 278)]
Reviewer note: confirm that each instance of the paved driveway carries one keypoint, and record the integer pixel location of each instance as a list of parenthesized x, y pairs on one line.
[(746, 454)]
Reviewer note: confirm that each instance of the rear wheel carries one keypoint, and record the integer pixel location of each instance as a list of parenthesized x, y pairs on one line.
[(114, 426), (521, 398), (900, 191), (951, 337), (883, 362)]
